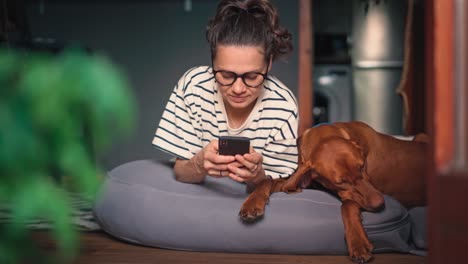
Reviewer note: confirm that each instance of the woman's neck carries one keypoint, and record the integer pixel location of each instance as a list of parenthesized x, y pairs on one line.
[(237, 117)]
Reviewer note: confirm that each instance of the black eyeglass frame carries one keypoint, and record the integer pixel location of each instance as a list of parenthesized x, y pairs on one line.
[(242, 76)]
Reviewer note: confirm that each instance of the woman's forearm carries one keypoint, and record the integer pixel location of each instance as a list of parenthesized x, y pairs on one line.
[(189, 171)]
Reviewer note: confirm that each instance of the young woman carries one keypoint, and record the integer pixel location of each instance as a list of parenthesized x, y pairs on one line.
[(235, 96)]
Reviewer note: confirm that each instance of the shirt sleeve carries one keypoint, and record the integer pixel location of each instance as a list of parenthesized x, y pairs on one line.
[(280, 155), (177, 130)]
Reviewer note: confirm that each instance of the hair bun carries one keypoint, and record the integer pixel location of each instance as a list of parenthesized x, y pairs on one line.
[(246, 22)]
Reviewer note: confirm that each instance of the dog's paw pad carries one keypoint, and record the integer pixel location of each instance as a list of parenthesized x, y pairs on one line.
[(361, 258), (358, 260), (250, 216)]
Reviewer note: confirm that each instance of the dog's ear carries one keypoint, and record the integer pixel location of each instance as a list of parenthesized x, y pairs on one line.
[(361, 150), (299, 155), (357, 146), (298, 140), (362, 162)]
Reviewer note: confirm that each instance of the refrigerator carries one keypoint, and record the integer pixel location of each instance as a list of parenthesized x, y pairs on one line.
[(377, 41)]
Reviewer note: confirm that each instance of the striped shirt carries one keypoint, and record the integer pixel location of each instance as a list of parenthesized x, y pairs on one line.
[(195, 115)]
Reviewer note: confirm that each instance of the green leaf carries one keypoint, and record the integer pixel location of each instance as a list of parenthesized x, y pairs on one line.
[(40, 198)]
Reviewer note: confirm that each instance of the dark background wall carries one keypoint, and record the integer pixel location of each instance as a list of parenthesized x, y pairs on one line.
[(155, 42)]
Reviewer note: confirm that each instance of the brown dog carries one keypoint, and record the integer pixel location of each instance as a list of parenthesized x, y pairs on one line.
[(358, 164)]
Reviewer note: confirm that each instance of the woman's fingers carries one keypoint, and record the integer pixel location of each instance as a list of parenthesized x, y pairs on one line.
[(236, 177)]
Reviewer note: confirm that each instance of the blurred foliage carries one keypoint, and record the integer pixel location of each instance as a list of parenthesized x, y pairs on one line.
[(56, 113)]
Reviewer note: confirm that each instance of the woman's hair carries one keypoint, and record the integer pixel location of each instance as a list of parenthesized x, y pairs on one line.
[(248, 23)]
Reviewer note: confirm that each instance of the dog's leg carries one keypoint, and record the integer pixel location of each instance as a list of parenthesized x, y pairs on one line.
[(253, 207), (292, 183), (359, 246)]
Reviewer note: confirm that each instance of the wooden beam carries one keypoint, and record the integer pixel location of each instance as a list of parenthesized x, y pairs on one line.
[(305, 53), (448, 177), (444, 82)]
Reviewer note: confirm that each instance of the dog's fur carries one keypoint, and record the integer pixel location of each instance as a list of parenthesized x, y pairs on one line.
[(358, 164)]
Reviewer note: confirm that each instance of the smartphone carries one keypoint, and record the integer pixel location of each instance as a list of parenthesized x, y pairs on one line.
[(233, 145)]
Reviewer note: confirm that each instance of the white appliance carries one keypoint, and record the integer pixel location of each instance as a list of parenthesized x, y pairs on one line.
[(333, 93)]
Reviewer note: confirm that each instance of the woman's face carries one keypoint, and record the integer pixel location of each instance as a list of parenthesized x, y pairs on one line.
[(240, 59)]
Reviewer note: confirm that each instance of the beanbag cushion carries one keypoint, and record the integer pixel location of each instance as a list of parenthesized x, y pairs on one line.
[(418, 217), (141, 202)]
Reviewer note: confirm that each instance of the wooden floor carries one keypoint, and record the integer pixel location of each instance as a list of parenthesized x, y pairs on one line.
[(97, 247)]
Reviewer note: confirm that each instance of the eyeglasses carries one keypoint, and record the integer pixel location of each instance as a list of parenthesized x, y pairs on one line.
[(250, 79)]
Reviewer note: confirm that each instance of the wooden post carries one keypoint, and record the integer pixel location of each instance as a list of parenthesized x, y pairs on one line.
[(447, 86), (305, 52)]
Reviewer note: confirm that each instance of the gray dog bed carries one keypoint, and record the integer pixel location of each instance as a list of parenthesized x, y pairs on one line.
[(140, 202)]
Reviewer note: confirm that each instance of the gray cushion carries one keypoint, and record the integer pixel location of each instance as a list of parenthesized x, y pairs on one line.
[(141, 202), (419, 230)]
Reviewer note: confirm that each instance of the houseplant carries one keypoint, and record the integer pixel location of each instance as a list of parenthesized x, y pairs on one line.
[(56, 113)]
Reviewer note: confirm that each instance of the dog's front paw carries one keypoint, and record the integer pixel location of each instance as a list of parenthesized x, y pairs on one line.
[(250, 215), (362, 258), (361, 252), (253, 209)]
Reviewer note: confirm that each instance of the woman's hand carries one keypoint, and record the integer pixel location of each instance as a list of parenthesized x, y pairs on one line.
[(206, 162), (248, 168), (242, 168), (213, 164)]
